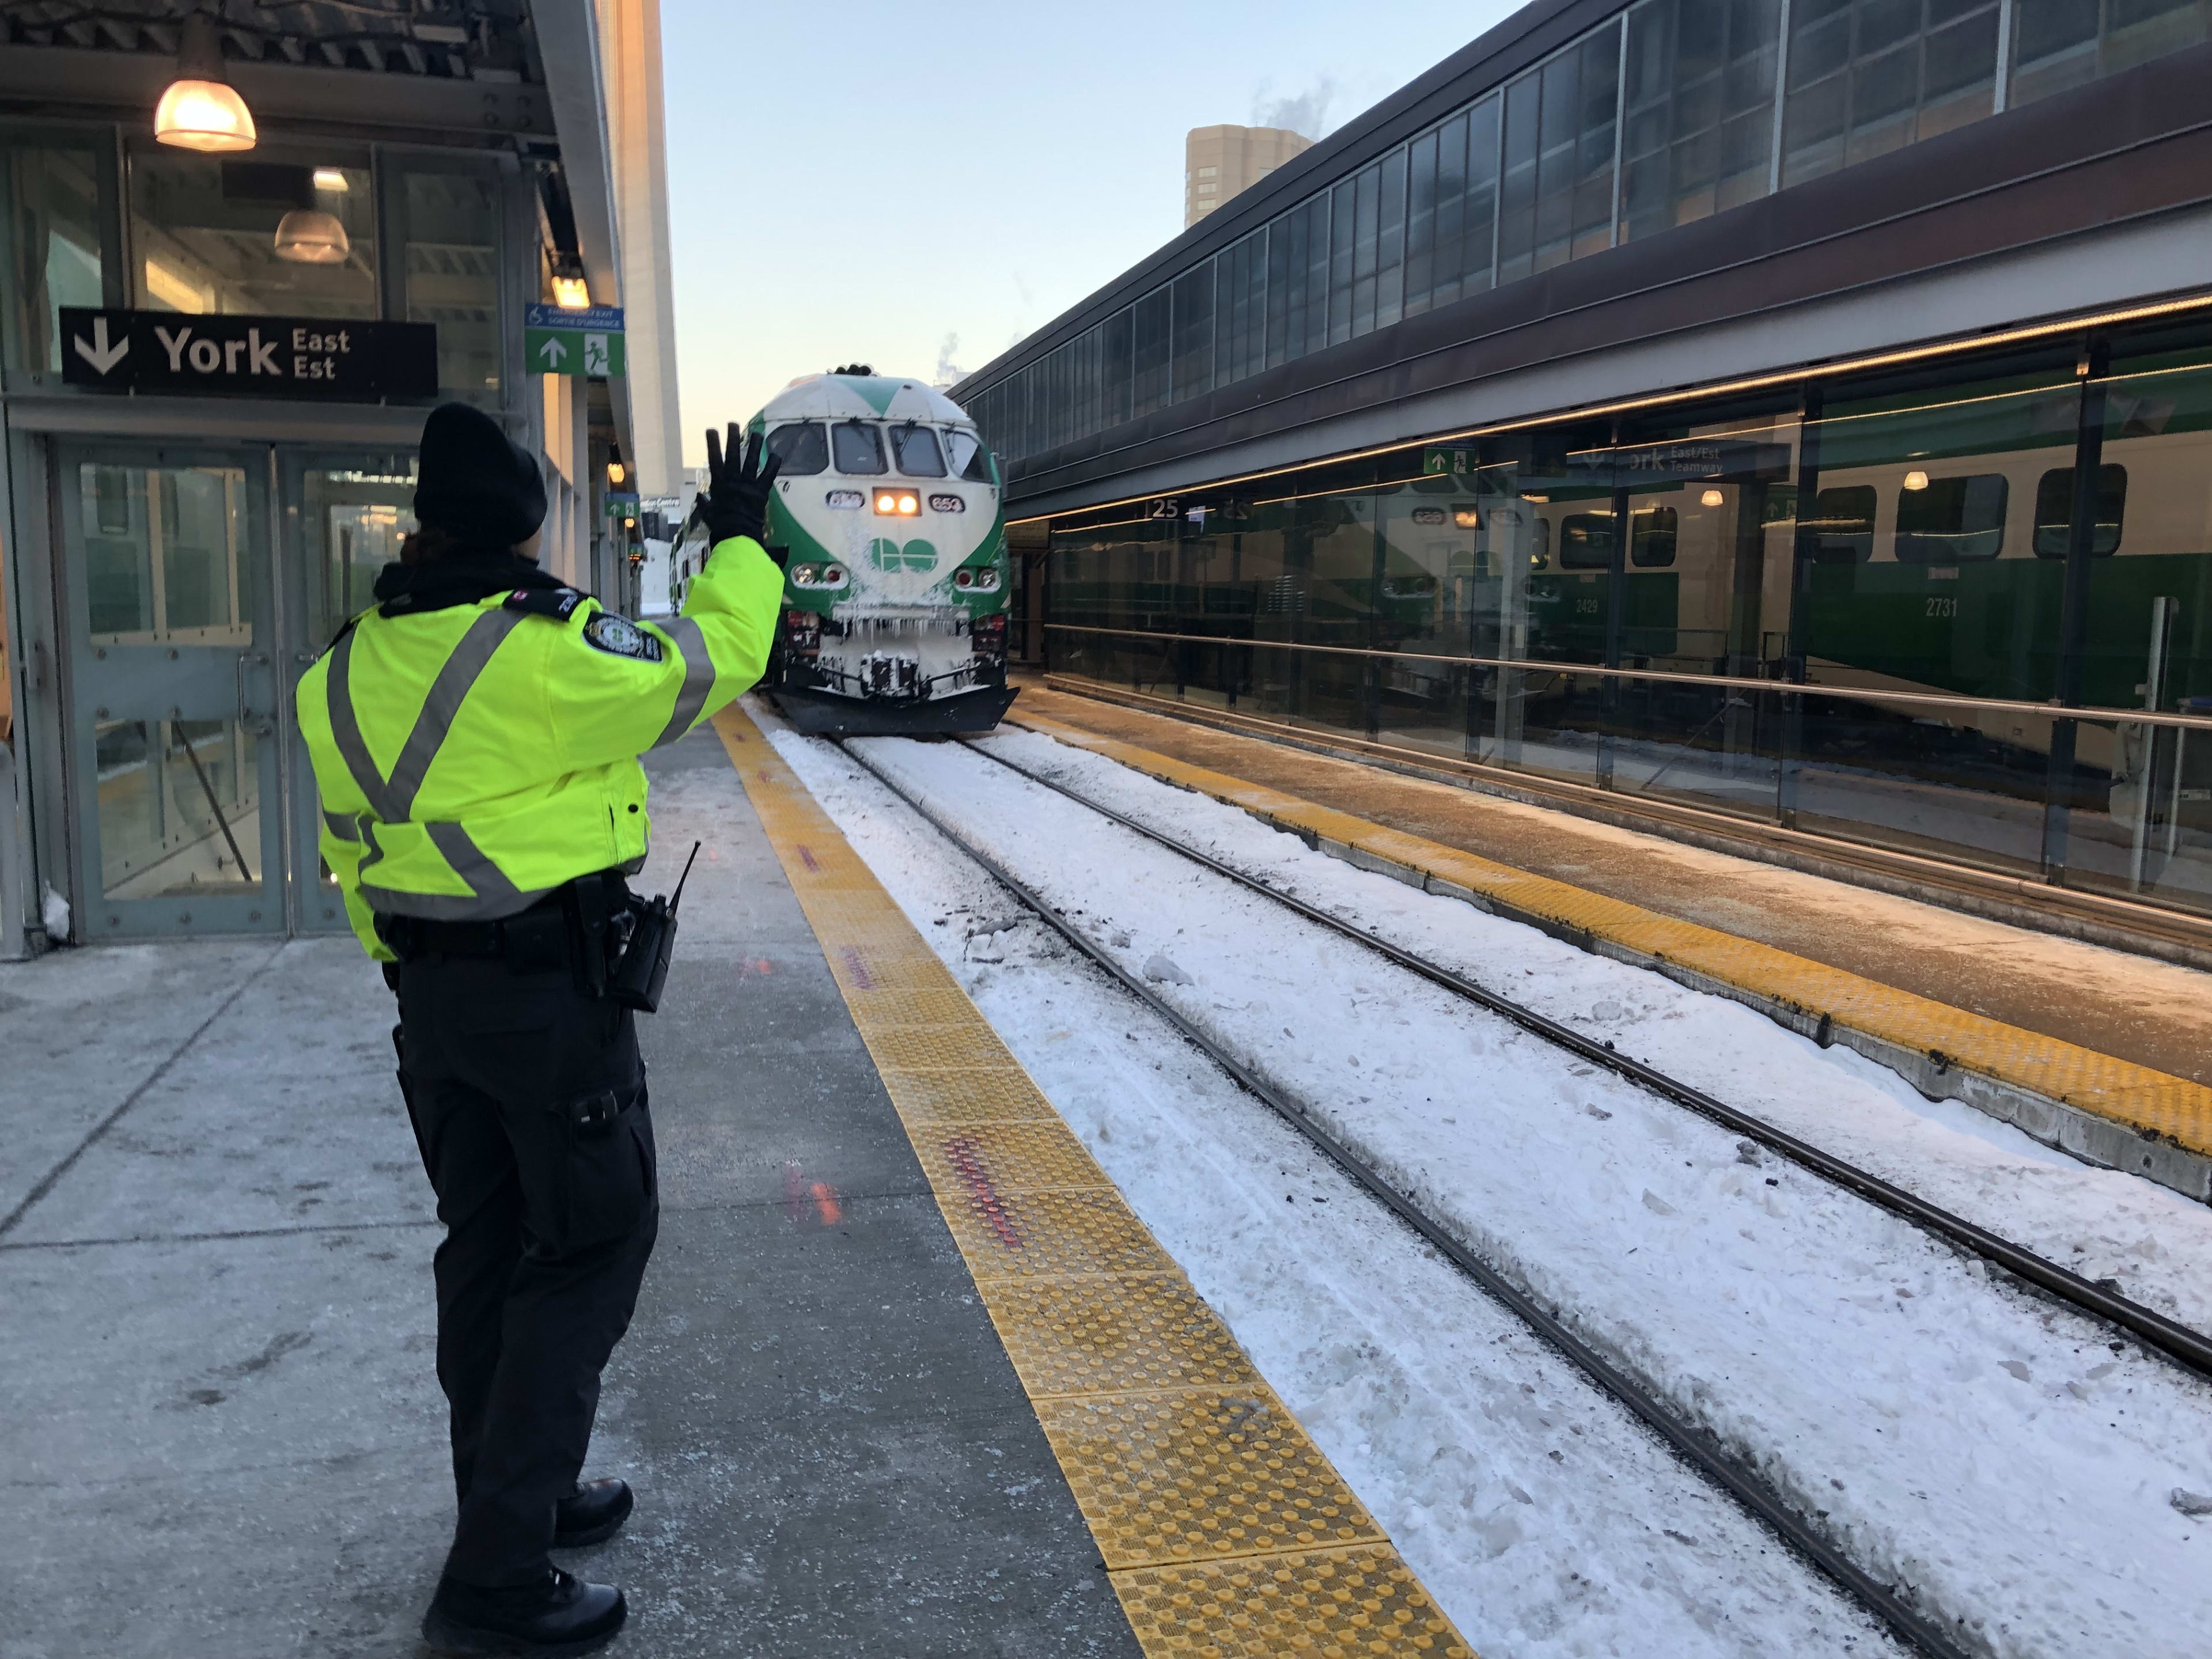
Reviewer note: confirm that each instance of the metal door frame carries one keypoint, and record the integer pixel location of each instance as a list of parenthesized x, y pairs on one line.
[(263, 590), (305, 914)]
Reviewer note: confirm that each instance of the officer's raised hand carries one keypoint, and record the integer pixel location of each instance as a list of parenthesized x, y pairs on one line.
[(735, 503)]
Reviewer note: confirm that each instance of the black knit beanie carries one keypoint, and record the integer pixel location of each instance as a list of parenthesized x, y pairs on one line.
[(474, 481)]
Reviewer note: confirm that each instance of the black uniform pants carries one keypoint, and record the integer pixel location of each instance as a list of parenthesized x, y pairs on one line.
[(529, 1103)]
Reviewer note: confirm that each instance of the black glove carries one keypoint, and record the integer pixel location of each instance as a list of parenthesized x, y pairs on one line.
[(735, 501)]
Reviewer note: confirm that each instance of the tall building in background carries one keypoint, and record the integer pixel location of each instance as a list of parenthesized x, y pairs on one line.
[(1219, 162)]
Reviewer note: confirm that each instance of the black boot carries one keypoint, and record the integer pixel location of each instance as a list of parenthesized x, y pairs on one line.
[(557, 1615), (594, 1514)]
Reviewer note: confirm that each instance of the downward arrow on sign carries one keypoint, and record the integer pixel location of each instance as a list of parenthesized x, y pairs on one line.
[(100, 355)]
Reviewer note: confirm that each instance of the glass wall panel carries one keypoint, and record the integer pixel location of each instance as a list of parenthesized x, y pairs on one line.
[(1115, 386), (1700, 110), (2140, 821), (210, 236), (1868, 76), (1240, 308), (1921, 573), (1194, 332), (1366, 245), (452, 255), (1558, 165), (1341, 248), (2061, 43), (55, 222), (1390, 251), (1154, 350)]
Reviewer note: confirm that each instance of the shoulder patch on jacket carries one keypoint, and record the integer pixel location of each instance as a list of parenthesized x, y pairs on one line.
[(555, 602), (618, 636)]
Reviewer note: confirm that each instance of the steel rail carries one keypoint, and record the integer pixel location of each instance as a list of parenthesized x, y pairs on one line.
[(2189, 1348), (1691, 1444)]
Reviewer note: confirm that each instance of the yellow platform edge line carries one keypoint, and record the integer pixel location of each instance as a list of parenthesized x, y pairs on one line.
[(2151, 1103), (1225, 1529)]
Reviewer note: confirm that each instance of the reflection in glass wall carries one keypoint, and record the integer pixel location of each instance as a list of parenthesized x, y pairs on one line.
[(452, 274), (180, 808), (1854, 625), (165, 573), (164, 554), (1555, 183), (1699, 108), (210, 236), (1868, 76), (2059, 45), (1523, 178), (54, 246), (352, 521)]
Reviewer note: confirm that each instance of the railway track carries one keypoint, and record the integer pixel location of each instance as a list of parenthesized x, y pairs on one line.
[(2177, 1343)]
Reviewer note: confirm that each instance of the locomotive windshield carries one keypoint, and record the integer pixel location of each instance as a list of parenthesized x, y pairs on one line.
[(859, 446), (919, 457), (801, 447), (969, 458)]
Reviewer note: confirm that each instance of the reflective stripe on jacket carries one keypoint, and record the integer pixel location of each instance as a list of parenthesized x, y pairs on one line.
[(469, 760)]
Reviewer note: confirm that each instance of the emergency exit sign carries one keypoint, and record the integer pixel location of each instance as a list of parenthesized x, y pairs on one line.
[(556, 341)]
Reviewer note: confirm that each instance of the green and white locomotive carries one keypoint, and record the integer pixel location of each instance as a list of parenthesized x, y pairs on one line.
[(887, 521)]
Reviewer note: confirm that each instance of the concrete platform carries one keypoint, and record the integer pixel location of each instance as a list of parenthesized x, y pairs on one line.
[(2086, 1048), (219, 1428)]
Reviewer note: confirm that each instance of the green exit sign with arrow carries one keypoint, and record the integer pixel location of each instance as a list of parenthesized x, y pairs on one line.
[(556, 341)]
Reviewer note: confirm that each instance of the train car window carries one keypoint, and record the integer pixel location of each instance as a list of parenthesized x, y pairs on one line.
[(859, 446), (916, 448), (1651, 537), (1586, 541), (1952, 520), (2054, 512), (1842, 524), (801, 447), (970, 458)]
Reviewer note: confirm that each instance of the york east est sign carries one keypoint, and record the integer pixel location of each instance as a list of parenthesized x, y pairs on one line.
[(168, 351)]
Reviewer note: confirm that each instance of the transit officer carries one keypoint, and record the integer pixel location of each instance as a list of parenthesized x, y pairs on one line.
[(476, 740)]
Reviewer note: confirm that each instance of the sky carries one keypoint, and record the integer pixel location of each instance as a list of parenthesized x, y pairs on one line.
[(920, 187)]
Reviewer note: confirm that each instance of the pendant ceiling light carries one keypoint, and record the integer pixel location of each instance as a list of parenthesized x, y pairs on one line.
[(200, 110), (309, 236)]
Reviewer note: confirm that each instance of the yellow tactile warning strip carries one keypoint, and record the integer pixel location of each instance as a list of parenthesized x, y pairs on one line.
[(2149, 1101), (1224, 1530)]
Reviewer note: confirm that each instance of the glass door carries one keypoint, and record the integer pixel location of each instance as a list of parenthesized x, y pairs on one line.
[(345, 513), (172, 688)]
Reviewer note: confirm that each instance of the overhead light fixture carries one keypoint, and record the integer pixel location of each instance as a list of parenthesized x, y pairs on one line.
[(333, 179), (572, 294), (309, 236), (1916, 479), (616, 470), (200, 110), (1712, 498)]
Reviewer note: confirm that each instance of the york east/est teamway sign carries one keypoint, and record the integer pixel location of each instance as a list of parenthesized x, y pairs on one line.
[(169, 352)]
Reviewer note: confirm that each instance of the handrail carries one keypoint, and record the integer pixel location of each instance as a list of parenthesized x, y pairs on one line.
[(1798, 687)]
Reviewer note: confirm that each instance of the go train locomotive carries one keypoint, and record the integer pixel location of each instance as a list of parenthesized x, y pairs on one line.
[(886, 518)]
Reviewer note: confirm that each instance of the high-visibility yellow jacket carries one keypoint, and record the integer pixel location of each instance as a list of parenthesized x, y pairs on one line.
[(472, 759)]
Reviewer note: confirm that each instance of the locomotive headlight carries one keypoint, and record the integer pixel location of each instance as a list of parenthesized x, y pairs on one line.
[(963, 577), (805, 575), (898, 503), (909, 506), (845, 501)]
